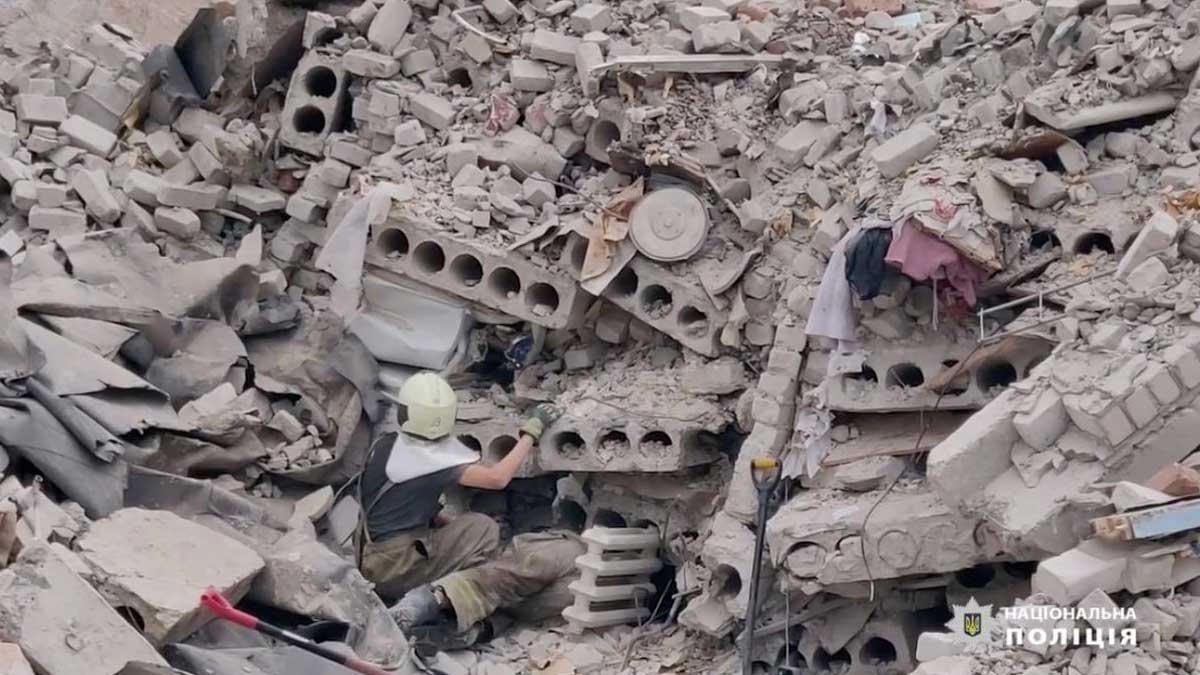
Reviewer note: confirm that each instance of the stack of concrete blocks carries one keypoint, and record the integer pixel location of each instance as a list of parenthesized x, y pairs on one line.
[(773, 413), (494, 438), (315, 103), (467, 270), (671, 304), (816, 539), (899, 372), (614, 586), (612, 442)]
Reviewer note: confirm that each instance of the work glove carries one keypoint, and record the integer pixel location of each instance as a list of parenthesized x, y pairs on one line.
[(543, 416)]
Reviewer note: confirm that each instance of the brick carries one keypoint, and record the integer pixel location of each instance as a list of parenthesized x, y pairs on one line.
[(693, 17), (582, 358), (51, 194), (57, 221), (721, 36), (1140, 406), (1068, 577), (904, 149), (196, 196), (459, 155), (537, 192), (93, 188), (389, 26), (332, 172), (502, 11), (756, 34), (1073, 157), (1176, 480), (591, 17), (24, 195), (1119, 7), (257, 199), (567, 142), (350, 152), (409, 133), (1184, 364), (164, 148), (1151, 274), (367, 63), (1160, 231), (418, 61), (39, 109), (13, 170), (527, 75), (1047, 190), (82, 133), (211, 168), (182, 223), (1113, 180), (182, 173), (433, 110), (795, 144), (300, 207), (1042, 425), (1157, 378), (475, 47), (553, 47)]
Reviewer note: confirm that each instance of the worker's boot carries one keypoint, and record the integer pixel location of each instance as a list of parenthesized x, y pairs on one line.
[(418, 606)]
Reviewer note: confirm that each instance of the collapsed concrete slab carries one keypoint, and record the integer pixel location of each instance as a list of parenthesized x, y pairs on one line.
[(157, 564), (90, 638)]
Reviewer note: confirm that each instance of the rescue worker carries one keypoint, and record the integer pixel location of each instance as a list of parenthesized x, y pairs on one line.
[(448, 568)]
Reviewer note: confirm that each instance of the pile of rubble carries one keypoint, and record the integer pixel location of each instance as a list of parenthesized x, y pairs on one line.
[(939, 258)]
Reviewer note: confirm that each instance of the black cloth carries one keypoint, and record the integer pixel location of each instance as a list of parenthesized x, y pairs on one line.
[(405, 506), (865, 267)]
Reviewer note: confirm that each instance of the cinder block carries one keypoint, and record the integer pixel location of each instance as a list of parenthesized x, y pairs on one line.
[(82, 133), (553, 47), (38, 109), (511, 285), (1044, 423), (93, 189), (1184, 364), (904, 149), (367, 63), (614, 577), (527, 75), (314, 105), (389, 25), (433, 110), (351, 153), (494, 438)]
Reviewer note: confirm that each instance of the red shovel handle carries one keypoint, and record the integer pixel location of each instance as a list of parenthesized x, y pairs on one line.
[(219, 605)]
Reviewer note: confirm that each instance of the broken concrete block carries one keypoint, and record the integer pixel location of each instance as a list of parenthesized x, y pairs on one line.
[(256, 199), (795, 144), (1073, 157), (720, 36), (1157, 235), (1148, 275), (367, 63), (57, 222), (408, 134), (433, 110), (553, 47), (418, 61), (211, 168), (36, 109), (142, 187), (90, 639), (180, 222), (83, 133), (693, 17), (502, 11), (591, 17), (1068, 577), (527, 75), (93, 189), (1113, 180), (1043, 424), (723, 376), (389, 25), (905, 149), (158, 564), (196, 196), (1118, 7), (1047, 190)]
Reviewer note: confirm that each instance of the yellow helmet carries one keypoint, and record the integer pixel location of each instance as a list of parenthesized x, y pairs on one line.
[(431, 403)]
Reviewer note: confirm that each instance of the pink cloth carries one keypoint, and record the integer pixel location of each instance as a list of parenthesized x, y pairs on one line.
[(923, 257)]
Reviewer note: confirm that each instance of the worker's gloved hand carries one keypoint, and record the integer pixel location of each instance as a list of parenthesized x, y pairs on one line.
[(543, 416)]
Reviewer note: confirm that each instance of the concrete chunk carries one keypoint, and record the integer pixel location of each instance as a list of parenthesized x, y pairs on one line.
[(196, 196), (57, 222), (720, 36), (83, 133), (527, 75), (142, 187), (367, 63), (390, 25), (1047, 190), (1157, 235), (36, 109), (1068, 577), (158, 564), (182, 223), (61, 623), (905, 149), (257, 199), (93, 188), (591, 17), (1041, 426), (433, 110), (553, 47), (693, 17)]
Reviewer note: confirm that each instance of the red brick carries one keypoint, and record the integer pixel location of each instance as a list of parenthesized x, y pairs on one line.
[(1176, 480)]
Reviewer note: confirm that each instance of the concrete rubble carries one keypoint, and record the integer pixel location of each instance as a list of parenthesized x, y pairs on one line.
[(940, 258)]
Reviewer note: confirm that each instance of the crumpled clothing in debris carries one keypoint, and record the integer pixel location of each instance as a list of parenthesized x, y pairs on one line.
[(923, 257), (865, 267), (832, 314)]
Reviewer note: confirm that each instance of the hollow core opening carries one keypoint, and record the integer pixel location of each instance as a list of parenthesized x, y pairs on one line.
[(693, 321), (1092, 241), (429, 257), (904, 375), (504, 282), (625, 284), (471, 442), (393, 243), (542, 299), (877, 651), (467, 269), (995, 373), (976, 577), (614, 439), (569, 443), (602, 135), (655, 440), (320, 81), (656, 300), (500, 446), (309, 120)]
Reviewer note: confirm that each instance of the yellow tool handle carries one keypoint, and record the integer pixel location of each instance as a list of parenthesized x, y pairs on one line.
[(764, 463)]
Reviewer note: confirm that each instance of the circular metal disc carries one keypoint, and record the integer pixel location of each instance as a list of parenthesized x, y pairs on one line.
[(669, 224)]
